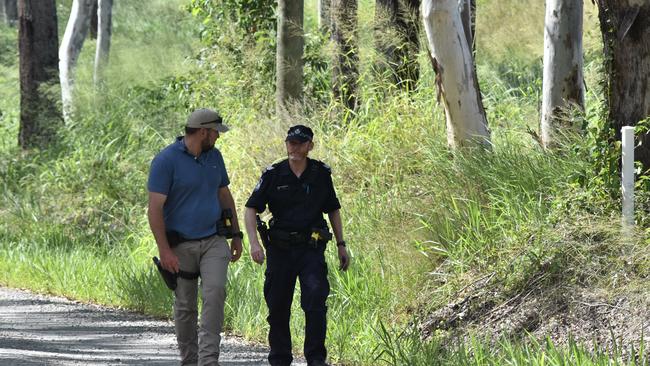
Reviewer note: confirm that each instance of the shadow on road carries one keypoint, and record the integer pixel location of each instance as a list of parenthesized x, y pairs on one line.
[(39, 330)]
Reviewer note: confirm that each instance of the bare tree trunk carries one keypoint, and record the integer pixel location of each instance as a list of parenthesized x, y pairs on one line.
[(94, 20), (324, 15), (563, 86), (397, 40), (466, 15), (289, 63), (625, 26), (345, 65), (73, 39), (103, 39), (37, 42), (452, 61), (472, 7), (9, 12)]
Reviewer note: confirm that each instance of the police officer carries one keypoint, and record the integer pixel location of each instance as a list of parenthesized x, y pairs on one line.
[(298, 191), (188, 189)]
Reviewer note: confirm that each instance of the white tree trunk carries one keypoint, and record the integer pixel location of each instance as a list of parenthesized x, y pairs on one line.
[(73, 40), (455, 76), (563, 87), (104, 30)]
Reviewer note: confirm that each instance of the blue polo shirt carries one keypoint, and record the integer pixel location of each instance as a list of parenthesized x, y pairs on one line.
[(191, 185)]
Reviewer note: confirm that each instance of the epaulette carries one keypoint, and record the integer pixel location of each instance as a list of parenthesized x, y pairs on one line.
[(269, 168), (325, 166)]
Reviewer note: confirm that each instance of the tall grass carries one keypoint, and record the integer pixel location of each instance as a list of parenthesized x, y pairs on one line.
[(406, 348), (420, 219)]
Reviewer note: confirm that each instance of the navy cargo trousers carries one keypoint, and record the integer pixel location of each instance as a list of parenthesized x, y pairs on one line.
[(283, 267)]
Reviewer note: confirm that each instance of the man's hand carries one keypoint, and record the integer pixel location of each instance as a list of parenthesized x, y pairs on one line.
[(169, 260), (344, 258), (257, 253), (235, 249)]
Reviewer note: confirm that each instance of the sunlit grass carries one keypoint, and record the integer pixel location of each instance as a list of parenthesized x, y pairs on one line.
[(73, 220)]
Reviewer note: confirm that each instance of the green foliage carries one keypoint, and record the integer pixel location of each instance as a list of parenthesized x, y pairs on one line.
[(422, 221), (238, 27), (8, 46), (249, 17), (405, 348)]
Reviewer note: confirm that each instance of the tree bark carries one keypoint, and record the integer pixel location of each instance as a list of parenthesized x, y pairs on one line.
[(397, 40), (466, 15), (324, 15), (625, 25), (345, 65), (563, 85), (9, 12), (452, 61), (37, 43), (289, 63), (73, 39), (105, 29), (94, 20)]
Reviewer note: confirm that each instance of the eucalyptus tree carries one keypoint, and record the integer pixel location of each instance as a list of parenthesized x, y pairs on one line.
[(345, 63), (397, 40), (563, 86), (324, 15), (456, 78), (8, 11), (468, 16), (625, 25), (73, 40), (39, 97), (289, 60), (104, 31), (94, 20)]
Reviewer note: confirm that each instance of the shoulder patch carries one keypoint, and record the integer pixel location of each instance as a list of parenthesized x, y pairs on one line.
[(259, 184)]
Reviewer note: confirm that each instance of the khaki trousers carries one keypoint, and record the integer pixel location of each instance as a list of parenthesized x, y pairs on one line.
[(210, 257)]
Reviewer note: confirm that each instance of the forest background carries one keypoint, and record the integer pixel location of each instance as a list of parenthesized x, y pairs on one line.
[(429, 229)]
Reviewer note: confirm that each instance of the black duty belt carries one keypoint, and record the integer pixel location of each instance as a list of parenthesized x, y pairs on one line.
[(294, 239), (174, 238)]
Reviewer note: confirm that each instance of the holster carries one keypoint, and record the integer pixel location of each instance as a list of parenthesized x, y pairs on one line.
[(171, 279), (263, 230), (224, 225), (174, 238)]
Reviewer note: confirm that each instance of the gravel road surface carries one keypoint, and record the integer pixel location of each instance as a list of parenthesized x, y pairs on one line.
[(44, 330)]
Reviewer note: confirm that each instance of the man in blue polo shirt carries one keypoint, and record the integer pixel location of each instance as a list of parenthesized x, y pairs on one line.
[(188, 189)]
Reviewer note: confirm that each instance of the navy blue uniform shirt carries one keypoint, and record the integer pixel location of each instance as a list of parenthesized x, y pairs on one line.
[(297, 204)]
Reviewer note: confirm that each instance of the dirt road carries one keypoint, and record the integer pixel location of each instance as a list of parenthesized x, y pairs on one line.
[(43, 330)]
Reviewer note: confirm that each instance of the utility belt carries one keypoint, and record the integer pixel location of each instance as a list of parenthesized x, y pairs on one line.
[(224, 228), (292, 239)]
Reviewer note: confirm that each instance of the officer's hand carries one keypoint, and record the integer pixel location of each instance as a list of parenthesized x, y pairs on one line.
[(169, 260), (344, 258), (257, 253), (235, 249)]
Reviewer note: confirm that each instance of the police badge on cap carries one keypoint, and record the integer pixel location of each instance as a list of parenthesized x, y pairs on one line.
[(299, 133)]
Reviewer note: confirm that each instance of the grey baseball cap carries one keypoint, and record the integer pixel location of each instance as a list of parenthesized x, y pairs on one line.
[(206, 118)]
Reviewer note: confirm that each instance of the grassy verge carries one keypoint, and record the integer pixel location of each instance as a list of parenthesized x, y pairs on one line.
[(422, 222)]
